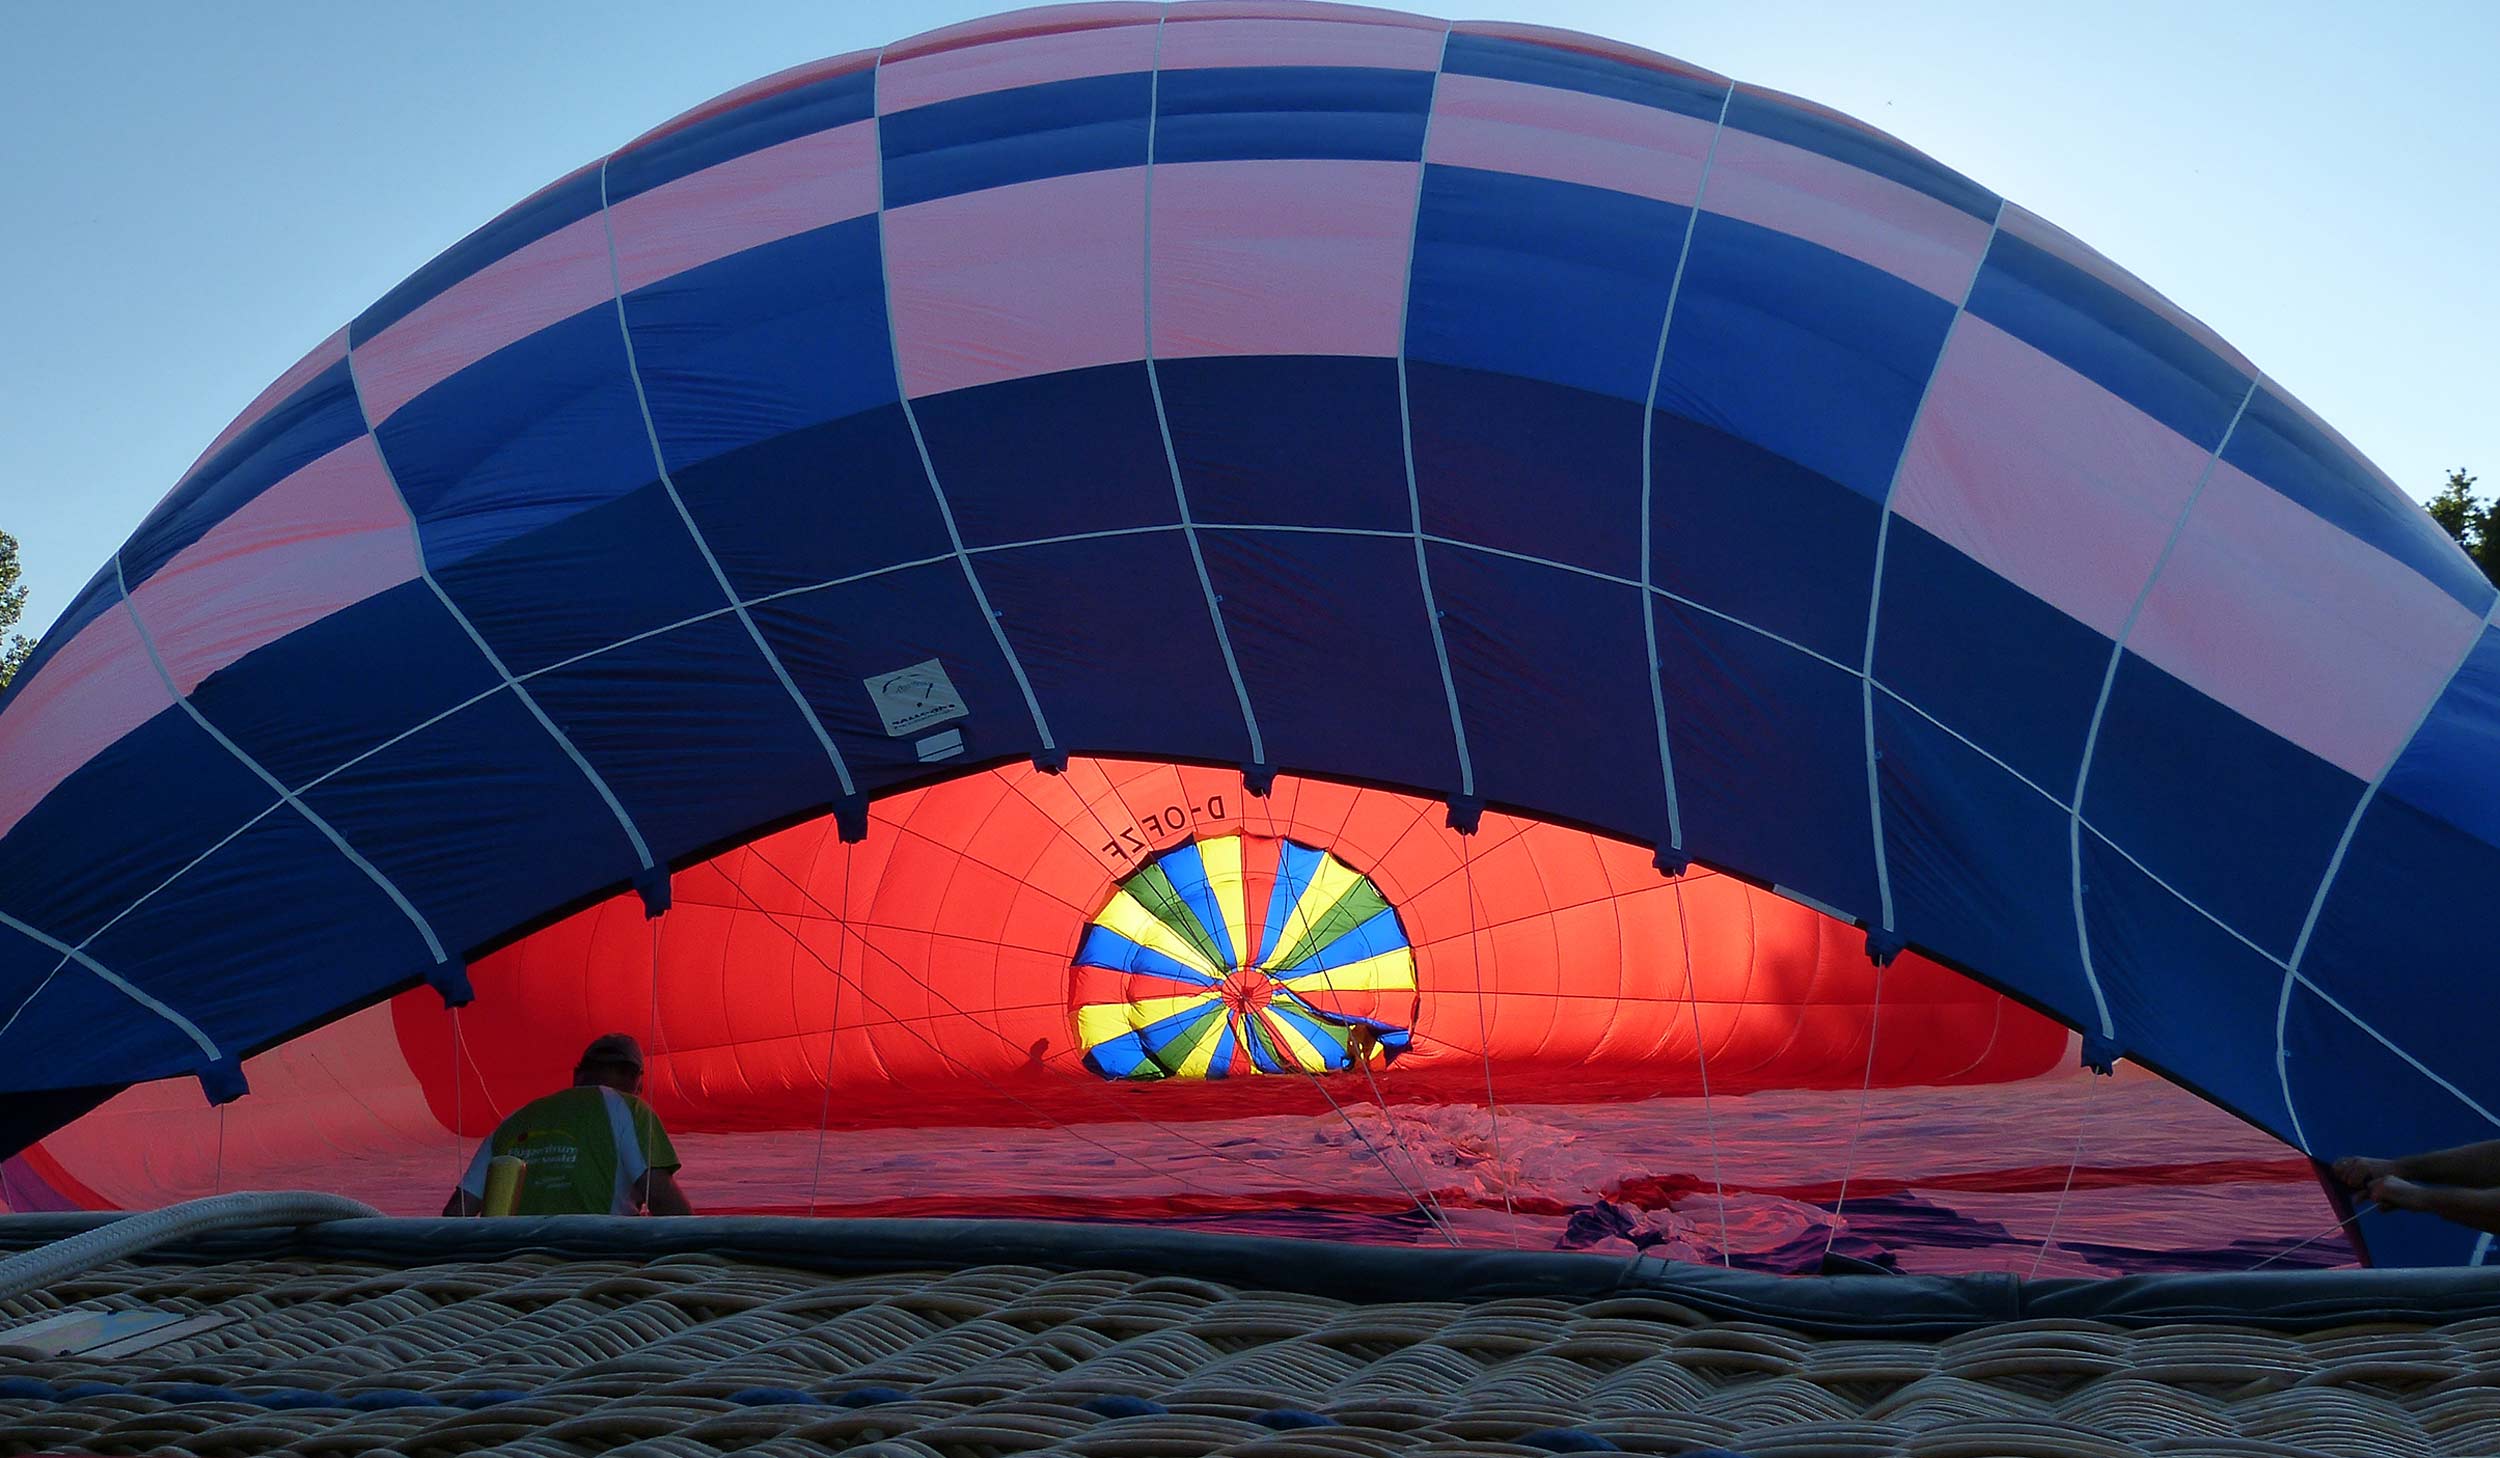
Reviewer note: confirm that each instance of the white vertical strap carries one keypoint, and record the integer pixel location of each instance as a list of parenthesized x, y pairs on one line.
[(1649, 407), (1875, 594), (2326, 883), (494, 660), (911, 417), (147, 640), (2100, 709), (1406, 440), (2482, 1248), (659, 460), (1163, 423)]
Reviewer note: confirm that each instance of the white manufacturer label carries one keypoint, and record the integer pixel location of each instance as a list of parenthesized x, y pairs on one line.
[(911, 699)]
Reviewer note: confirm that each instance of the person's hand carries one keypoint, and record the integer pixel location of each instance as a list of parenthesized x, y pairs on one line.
[(2390, 1192), (2355, 1172)]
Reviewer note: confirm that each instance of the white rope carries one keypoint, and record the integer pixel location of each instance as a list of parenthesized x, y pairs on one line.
[(1423, 1176), (1874, 1025), (2083, 1126), (1709, 1120), (833, 1030), (1484, 1031)]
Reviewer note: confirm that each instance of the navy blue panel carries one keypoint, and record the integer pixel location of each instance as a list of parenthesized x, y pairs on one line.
[(2239, 820), (1331, 632), (101, 595), (1071, 607), (76, 1030), (2356, 1096), (1306, 441), (1551, 682), (834, 639), (2108, 338), (1528, 467), (760, 343), (429, 665), (528, 435), (818, 106), (481, 820), (1736, 528), (1538, 65), (328, 916), (1547, 280), (998, 137), (566, 201), (2002, 667), (123, 822), (2452, 767), (2276, 446), (818, 504), (588, 581), (1861, 147), (2408, 909), (2184, 993), (301, 429), (1076, 451), (1765, 321), (1239, 113), (693, 732), (1770, 759), (1978, 861)]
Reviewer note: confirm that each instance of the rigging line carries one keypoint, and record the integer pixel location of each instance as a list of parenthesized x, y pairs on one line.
[(1701, 1054), (938, 1049), (459, 1118), (1484, 1031), (1423, 1176), (961, 1012), (217, 1181), (833, 1030), (2364, 1208), (1373, 1150), (658, 1043), (935, 1047), (2058, 1212), (1874, 1025)]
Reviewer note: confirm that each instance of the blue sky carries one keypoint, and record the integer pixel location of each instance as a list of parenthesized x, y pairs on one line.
[(197, 194)]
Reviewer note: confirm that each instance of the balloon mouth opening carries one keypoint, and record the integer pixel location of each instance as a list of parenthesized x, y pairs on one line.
[(1247, 990)]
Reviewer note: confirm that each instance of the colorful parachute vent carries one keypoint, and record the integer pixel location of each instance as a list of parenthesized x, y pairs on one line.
[(1241, 955)]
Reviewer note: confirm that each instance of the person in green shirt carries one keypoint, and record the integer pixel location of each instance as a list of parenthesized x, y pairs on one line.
[(593, 1149)]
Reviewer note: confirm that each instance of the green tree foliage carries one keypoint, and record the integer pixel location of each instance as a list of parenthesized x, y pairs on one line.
[(2474, 522), (14, 652)]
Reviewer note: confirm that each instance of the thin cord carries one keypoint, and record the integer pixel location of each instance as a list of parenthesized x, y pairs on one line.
[(1874, 1026), (459, 1119), (658, 1042), (217, 1182), (2082, 1127), (957, 1009), (1709, 1119), (939, 1049), (1423, 1179), (1374, 1150), (824, 1116), (1484, 1032), (2364, 1208)]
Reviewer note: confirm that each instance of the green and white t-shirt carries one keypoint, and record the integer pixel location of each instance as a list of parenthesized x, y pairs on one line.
[(585, 1148)]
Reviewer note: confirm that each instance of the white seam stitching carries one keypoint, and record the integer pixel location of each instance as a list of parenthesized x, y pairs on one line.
[(2326, 884), (659, 460), (147, 640), (1163, 421), (1649, 409), (2100, 708), (486, 650), (1406, 438), (911, 417), (1875, 591)]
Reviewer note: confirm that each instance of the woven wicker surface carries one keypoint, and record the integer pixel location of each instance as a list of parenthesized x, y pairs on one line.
[(696, 1356)]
